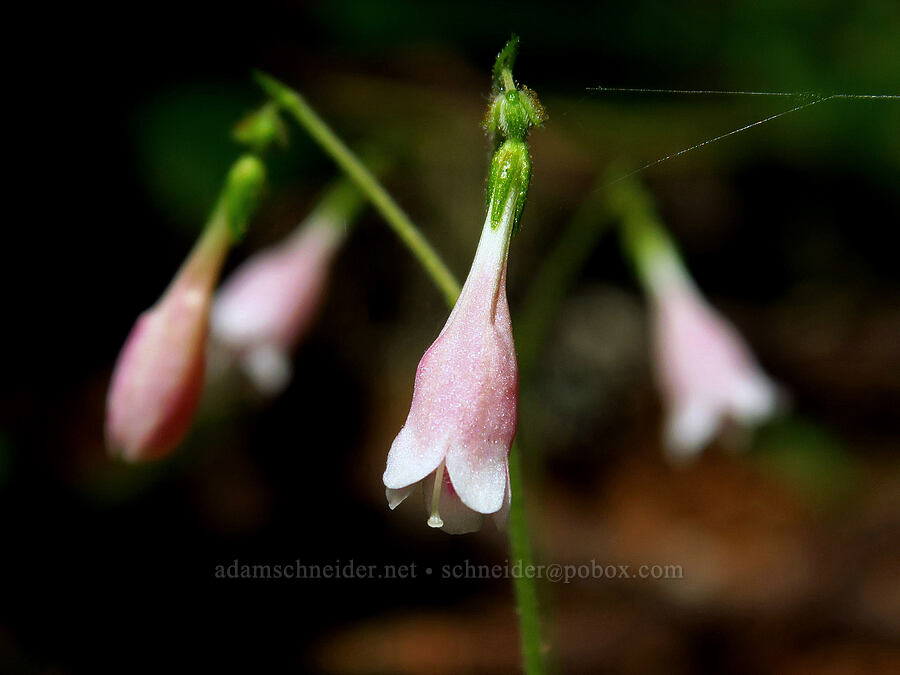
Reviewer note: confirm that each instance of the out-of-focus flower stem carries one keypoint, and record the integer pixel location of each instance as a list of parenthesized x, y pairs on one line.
[(644, 237), (293, 103)]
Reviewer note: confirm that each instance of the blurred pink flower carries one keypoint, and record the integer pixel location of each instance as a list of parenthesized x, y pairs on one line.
[(263, 310), (158, 376), (457, 437), (705, 370)]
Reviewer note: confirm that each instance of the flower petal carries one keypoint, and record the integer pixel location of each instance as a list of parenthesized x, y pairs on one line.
[(479, 475), (501, 518), (753, 398), (410, 460), (268, 367), (690, 427)]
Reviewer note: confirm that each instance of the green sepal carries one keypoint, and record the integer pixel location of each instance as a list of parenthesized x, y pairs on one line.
[(536, 112), (510, 177), (506, 59), (241, 193)]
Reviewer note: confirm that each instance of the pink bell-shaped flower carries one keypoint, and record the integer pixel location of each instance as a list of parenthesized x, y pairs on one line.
[(461, 424), (705, 371), (459, 432), (267, 305), (159, 374), (158, 377)]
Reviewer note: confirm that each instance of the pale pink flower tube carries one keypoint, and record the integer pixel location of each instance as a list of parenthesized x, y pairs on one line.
[(158, 376), (461, 424), (706, 372), (264, 309)]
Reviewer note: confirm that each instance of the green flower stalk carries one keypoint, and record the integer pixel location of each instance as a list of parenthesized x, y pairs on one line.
[(295, 105)]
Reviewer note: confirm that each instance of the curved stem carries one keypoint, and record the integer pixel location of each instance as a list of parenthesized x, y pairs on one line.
[(296, 105)]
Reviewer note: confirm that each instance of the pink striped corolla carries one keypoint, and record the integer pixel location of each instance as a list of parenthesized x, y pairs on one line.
[(457, 436), (706, 372)]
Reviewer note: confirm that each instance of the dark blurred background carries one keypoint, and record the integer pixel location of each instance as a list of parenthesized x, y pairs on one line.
[(790, 549)]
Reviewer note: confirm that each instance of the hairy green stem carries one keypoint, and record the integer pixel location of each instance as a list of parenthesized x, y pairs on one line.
[(293, 103)]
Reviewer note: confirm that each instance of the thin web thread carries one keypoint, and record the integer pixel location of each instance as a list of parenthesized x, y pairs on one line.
[(718, 92), (816, 99)]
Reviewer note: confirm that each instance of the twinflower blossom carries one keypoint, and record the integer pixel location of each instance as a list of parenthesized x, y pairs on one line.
[(264, 309), (459, 432), (704, 369), (457, 437), (159, 374), (158, 377)]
